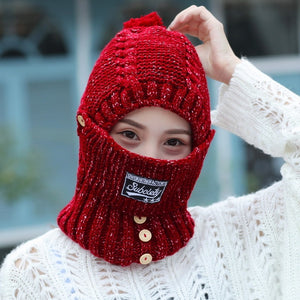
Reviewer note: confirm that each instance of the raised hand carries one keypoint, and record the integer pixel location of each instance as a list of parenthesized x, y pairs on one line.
[(216, 55)]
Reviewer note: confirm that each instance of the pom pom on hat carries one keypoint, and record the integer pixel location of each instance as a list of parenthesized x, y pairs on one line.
[(152, 19)]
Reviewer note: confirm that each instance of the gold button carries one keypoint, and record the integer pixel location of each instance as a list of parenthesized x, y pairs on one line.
[(146, 259), (145, 235), (139, 220), (81, 120)]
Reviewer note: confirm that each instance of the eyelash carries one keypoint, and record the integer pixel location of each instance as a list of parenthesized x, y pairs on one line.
[(178, 142), (131, 135), (127, 133)]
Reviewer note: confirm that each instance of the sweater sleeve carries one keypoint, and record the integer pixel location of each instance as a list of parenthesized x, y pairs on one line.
[(259, 110), (267, 115)]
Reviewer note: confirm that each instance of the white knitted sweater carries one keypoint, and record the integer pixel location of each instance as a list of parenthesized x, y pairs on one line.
[(243, 248)]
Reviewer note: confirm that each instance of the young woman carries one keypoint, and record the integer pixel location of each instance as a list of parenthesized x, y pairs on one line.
[(144, 130)]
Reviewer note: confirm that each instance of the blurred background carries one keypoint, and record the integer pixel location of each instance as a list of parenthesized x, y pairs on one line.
[(47, 50)]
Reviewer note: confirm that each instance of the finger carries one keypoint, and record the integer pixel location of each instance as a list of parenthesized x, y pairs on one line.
[(180, 19), (192, 14)]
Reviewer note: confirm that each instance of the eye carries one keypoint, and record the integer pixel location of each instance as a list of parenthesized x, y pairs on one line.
[(129, 134), (174, 142)]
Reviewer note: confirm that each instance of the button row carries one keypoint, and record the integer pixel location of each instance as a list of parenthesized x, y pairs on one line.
[(145, 236)]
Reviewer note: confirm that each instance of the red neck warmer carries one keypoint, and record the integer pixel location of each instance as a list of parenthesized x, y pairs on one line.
[(129, 208)]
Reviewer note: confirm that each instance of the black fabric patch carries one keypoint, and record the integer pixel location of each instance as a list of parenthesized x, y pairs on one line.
[(143, 189)]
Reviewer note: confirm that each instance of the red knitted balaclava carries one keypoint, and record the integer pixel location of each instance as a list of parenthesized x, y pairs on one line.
[(129, 208)]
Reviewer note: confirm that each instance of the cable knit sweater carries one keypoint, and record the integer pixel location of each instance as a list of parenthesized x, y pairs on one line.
[(243, 248)]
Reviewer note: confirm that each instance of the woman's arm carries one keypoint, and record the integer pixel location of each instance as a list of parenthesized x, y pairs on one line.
[(263, 113), (252, 106)]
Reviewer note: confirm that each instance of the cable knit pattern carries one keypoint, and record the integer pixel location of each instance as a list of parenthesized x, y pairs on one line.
[(243, 248), (147, 65)]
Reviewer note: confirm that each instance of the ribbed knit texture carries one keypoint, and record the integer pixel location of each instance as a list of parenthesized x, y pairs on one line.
[(100, 219), (143, 65), (243, 248)]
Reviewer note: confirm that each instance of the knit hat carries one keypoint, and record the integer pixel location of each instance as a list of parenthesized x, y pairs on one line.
[(147, 65), (129, 208)]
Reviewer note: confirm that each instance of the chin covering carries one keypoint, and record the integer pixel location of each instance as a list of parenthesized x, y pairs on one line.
[(129, 208)]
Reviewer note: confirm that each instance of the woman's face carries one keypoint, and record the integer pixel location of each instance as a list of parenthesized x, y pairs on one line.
[(154, 132)]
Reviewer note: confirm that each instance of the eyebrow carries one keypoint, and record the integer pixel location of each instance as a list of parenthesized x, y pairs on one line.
[(170, 131), (178, 131), (133, 123)]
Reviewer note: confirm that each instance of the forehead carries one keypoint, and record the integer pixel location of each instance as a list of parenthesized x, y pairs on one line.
[(157, 116)]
